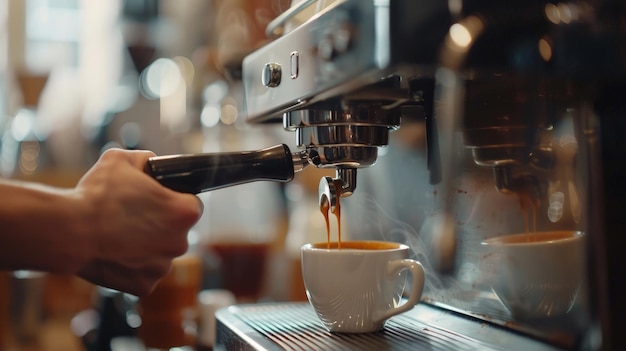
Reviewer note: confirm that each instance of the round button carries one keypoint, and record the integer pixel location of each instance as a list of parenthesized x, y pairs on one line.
[(271, 75)]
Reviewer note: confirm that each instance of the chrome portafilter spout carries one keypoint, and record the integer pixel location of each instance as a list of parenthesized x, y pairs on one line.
[(331, 189), (527, 186)]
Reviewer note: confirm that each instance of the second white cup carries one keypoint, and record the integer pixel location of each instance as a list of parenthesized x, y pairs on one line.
[(536, 275)]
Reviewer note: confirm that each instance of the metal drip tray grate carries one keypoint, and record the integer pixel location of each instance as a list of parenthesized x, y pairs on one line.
[(294, 326)]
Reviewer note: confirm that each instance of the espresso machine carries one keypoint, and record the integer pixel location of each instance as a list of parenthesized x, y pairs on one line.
[(462, 120)]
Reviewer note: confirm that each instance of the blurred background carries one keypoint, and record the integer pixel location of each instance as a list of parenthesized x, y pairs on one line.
[(78, 77)]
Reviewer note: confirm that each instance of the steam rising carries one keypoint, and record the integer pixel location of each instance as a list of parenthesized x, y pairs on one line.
[(382, 226)]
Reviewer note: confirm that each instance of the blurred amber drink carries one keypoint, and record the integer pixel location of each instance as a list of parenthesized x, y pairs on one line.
[(169, 314)]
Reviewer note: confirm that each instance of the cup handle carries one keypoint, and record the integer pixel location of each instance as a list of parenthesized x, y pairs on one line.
[(417, 271)]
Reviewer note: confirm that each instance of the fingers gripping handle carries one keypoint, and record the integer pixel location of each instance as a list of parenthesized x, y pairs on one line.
[(417, 271), (197, 173)]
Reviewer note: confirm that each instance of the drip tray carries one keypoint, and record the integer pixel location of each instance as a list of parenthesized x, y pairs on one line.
[(294, 326)]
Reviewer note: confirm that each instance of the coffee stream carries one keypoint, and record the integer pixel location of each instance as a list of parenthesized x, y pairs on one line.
[(529, 208), (325, 209)]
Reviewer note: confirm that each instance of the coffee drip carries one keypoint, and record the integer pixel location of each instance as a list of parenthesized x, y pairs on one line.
[(529, 211)]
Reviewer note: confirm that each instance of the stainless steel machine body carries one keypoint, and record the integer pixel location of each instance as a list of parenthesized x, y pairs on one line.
[(494, 119)]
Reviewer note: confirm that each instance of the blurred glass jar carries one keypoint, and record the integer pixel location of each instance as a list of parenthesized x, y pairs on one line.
[(236, 234), (169, 315)]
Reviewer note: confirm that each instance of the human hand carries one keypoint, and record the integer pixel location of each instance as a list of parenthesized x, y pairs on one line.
[(134, 225)]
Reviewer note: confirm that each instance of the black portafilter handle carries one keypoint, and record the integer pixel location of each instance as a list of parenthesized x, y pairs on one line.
[(196, 173)]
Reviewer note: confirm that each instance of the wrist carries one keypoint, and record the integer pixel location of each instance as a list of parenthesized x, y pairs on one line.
[(81, 224)]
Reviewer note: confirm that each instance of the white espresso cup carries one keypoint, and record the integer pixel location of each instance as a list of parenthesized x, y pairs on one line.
[(357, 288), (536, 275)]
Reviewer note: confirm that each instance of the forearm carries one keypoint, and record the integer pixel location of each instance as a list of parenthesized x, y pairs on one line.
[(118, 227), (40, 228)]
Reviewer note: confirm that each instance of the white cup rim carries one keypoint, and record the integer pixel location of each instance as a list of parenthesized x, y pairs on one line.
[(321, 246), (496, 241)]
